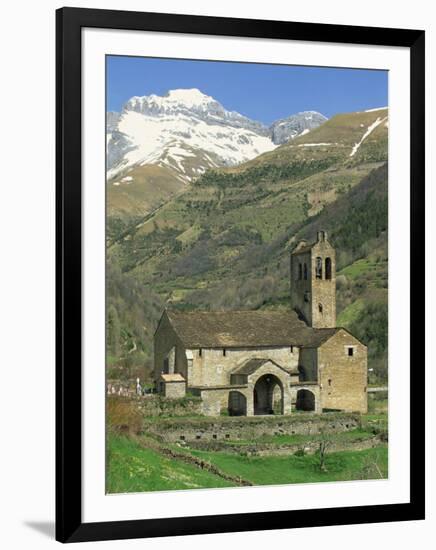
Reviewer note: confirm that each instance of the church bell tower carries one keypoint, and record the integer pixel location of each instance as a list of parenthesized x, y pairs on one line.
[(313, 282)]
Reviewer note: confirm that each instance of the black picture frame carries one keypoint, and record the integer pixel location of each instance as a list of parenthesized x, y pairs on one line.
[(69, 23)]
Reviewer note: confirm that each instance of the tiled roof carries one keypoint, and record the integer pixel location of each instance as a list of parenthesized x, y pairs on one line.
[(252, 365), (221, 329)]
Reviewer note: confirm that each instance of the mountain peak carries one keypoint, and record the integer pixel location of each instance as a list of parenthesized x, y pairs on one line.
[(189, 96), (295, 125), (181, 99)]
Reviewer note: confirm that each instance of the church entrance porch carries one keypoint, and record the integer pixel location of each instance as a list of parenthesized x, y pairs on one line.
[(266, 386), (268, 395)]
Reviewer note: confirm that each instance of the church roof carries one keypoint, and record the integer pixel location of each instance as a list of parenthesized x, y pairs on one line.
[(221, 329), (251, 365)]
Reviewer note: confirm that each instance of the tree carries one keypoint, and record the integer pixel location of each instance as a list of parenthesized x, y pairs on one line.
[(324, 443)]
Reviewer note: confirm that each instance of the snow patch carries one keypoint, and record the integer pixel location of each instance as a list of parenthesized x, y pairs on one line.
[(314, 144), (370, 129), (376, 109)]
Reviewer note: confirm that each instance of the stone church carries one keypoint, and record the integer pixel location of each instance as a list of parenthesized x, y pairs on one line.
[(268, 362)]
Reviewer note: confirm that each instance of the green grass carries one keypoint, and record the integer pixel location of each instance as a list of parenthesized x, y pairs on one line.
[(278, 470), (375, 273), (375, 419), (132, 468), (378, 405), (357, 268), (351, 313)]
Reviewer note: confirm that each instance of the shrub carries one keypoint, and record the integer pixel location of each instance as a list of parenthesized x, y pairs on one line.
[(123, 416)]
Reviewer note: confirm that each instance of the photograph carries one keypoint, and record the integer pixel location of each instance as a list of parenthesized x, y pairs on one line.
[(217, 279), (246, 274)]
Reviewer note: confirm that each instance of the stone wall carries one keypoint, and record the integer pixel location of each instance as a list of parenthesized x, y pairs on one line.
[(343, 378), (216, 399), (250, 428), (211, 367), (286, 449), (174, 390), (158, 405)]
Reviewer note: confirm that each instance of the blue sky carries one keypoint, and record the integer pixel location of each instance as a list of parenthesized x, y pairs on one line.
[(261, 92)]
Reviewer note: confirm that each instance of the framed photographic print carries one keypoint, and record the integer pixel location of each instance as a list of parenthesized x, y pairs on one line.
[(240, 230)]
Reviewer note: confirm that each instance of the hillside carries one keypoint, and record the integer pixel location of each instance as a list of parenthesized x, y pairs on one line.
[(223, 242), (159, 144)]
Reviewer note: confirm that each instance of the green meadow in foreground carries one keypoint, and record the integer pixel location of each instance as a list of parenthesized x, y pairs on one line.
[(133, 468), (276, 470)]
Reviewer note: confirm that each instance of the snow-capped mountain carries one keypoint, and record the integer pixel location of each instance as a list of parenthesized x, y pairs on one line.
[(187, 132), (296, 125), (192, 103)]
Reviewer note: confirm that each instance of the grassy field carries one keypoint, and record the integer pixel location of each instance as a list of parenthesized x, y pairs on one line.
[(277, 470), (132, 467)]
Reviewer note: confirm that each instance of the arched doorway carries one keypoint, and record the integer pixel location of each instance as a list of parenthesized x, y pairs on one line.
[(237, 404), (268, 395), (305, 401)]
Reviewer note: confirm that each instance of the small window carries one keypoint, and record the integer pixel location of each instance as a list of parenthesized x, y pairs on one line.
[(320, 309), (292, 349), (224, 352), (318, 268), (330, 381), (350, 352), (328, 268), (305, 272), (200, 352), (300, 272)]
